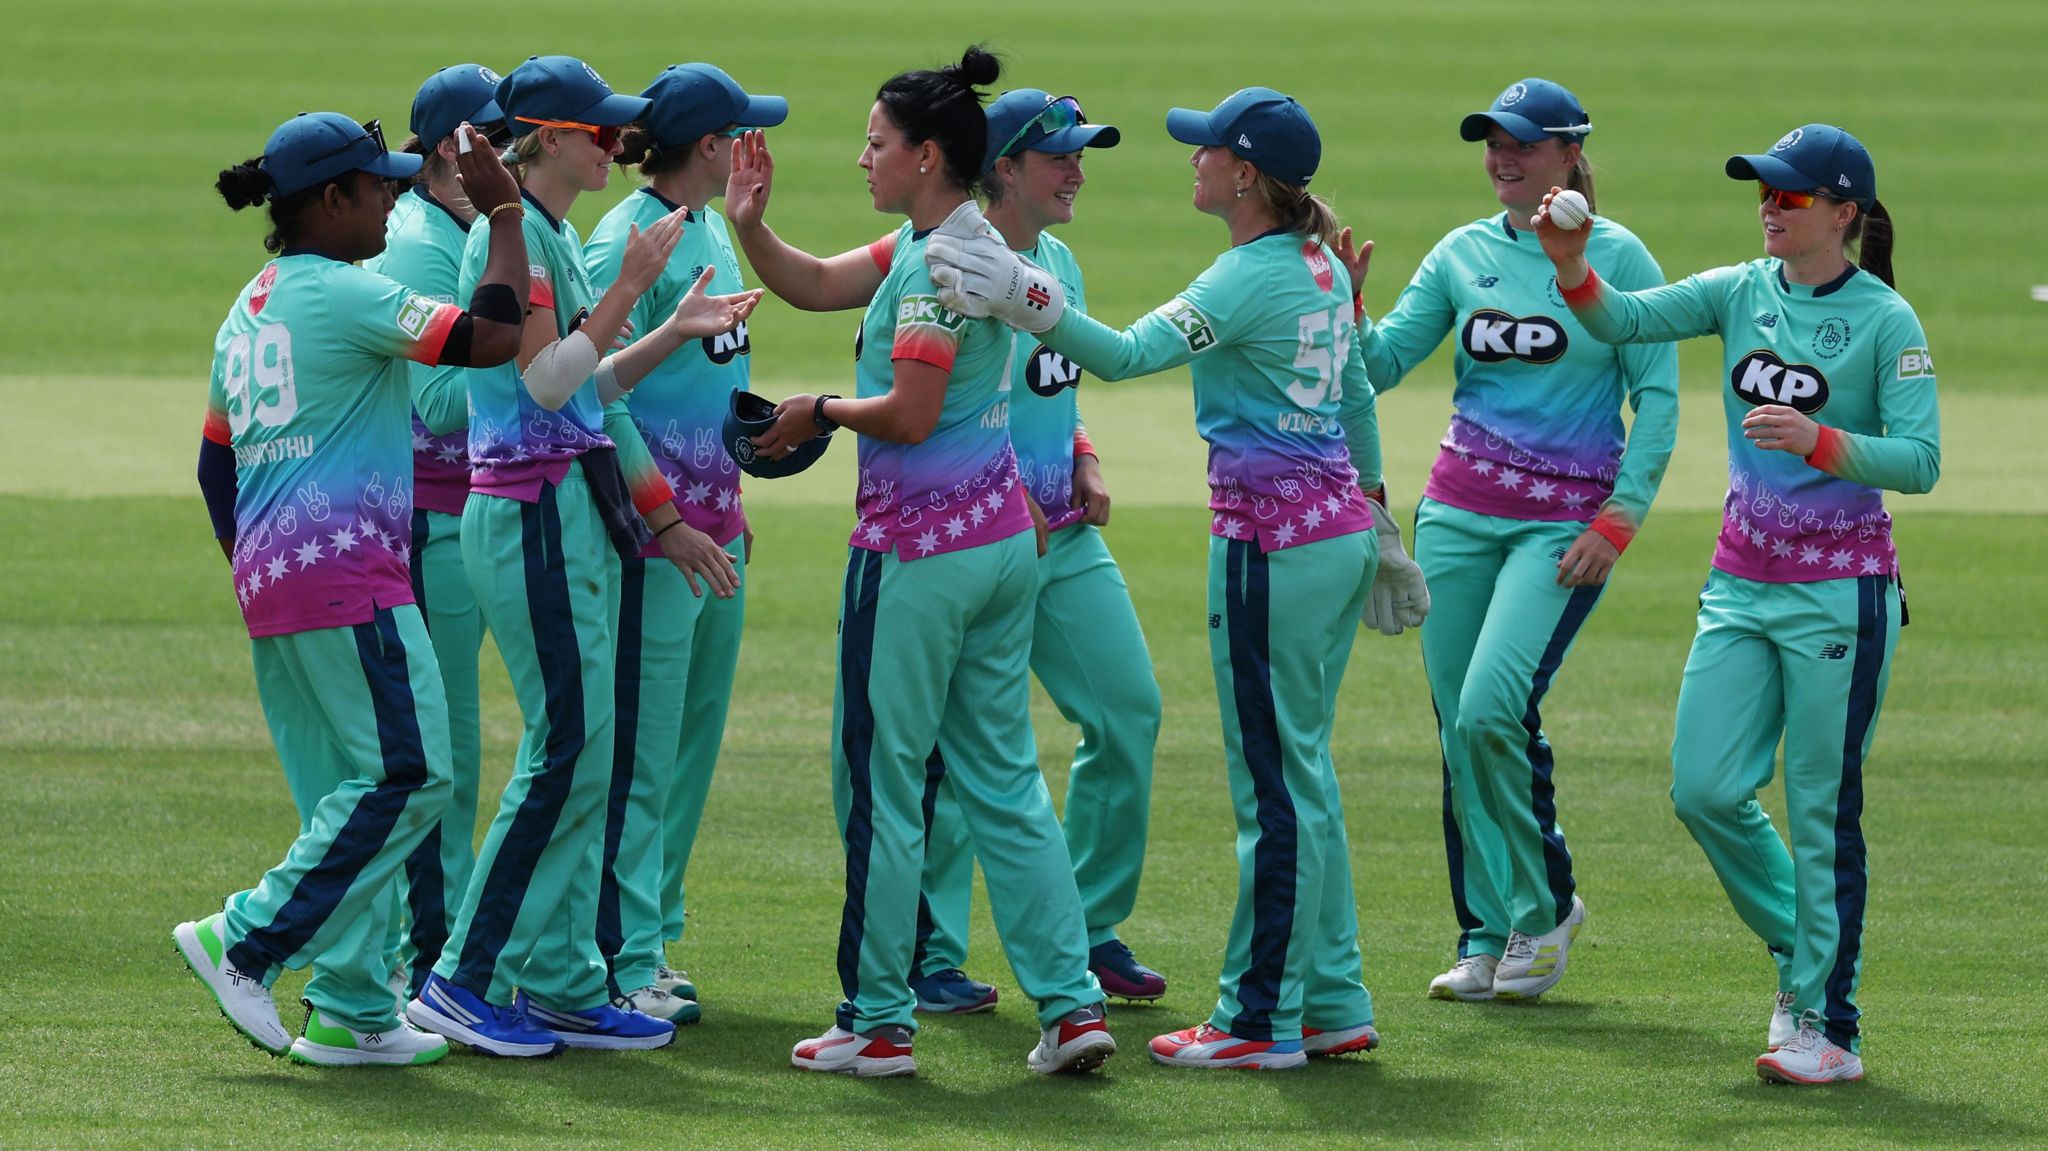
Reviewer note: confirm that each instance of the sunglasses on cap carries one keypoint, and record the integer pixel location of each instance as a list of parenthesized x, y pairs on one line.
[(607, 135), (1059, 113), (1786, 201), (373, 130)]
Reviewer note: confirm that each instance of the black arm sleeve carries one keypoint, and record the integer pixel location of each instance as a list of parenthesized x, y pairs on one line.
[(217, 484), (495, 302), (455, 349)]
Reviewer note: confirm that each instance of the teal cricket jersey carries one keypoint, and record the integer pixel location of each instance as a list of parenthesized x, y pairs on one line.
[(1536, 430), (1046, 412), (957, 489), (1851, 355), (679, 408), (1281, 393), (309, 388), (515, 445), (423, 243)]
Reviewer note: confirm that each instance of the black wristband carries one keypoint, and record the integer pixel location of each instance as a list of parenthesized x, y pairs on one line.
[(672, 523), (497, 303), (825, 426)]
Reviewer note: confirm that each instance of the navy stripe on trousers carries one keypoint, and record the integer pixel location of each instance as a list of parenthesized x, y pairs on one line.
[(559, 654), (1852, 877), (856, 742), (425, 885), (934, 775), (611, 933), (1247, 595), (1557, 862), (1454, 847), (368, 828)]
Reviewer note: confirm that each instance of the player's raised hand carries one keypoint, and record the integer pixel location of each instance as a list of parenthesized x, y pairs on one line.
[(1566, 249), (699, 315), (751, 179), (485, 179), (647, 252), (1355, 260)]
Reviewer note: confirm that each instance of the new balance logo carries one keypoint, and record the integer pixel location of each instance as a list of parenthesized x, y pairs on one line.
[(1834, 651), (1485, 281), (1215, 621), (1767, 319)]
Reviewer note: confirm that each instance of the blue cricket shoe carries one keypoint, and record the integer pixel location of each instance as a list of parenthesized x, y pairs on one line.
[(605, 1028), (447, 1010), (950, 992)]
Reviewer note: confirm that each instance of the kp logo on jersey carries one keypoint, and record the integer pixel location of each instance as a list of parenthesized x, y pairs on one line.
[(1491, 337), (1047, 372), (1762, 378), (721, 348)]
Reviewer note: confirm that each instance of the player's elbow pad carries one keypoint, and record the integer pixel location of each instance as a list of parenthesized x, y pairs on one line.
[(559, 369)]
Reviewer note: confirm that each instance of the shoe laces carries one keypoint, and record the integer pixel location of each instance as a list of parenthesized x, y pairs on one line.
[(1520, 948), (1470, 963), (667, 972), (1811, 1035), (1784, 1001)]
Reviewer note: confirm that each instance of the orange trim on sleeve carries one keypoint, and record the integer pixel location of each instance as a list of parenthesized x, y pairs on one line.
[(1358, 306), (540, 291), (650, 492), (216, 428), (1830, 450), (1585, 293), (1083, 446), (925, 344), (883, 252), (427, 349), (1614, 527)]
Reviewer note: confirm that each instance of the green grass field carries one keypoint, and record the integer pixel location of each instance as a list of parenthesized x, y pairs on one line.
[(138, 786)]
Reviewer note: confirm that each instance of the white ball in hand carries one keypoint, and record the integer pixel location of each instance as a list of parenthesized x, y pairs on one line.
[(1568, 210)]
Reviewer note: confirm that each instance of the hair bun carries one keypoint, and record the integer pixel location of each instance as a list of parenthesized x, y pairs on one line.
[(978, 67), (245, 185)]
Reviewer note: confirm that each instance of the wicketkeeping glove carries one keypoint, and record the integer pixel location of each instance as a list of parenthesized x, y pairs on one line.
[(978, 275), (1400, 596)]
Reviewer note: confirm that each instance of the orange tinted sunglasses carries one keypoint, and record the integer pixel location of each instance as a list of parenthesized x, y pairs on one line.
[(1787, 201), (607, 135)]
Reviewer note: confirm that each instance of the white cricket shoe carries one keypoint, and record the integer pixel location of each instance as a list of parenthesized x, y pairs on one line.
[(652, 1000), (242, 997), (1784, 1025), (1469, 979), (1810, 1058), (1534, 963), (1079, 1042), (676, 983), (328, 1044), (883, 1051)]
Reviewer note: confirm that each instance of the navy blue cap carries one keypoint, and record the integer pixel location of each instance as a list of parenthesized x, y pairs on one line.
[(1013, 110), (1814, 158), (690, 101), (748, 415), (1269, 129), (312, 148), (461, 92), (1532, 110), (563, 88)]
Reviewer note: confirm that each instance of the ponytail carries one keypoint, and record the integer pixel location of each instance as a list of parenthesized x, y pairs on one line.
[(1580, 179), (1871, 233), (245, 185), (944, 106), (1296, 208), (638, 149)]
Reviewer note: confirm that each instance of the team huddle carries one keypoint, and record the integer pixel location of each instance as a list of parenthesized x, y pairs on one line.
[(439, 411)]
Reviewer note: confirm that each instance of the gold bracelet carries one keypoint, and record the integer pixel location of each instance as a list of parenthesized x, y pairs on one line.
[(512, 204)]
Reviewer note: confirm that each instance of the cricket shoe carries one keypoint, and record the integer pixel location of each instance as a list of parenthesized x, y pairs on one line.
[(652, 1000), (603, 1028), (1533, 964), (1809, 1059), (1204, 1046), (1470, 979), (326, 1044), (445, 1009), (1122, 975), (950, 992), (676, 983), (1341, 1041), (881, 1052), (242, 997), (1784, 1024), (1079, 1042)]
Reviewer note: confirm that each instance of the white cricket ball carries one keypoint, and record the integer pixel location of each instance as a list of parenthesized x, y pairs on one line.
[(1568, 210)]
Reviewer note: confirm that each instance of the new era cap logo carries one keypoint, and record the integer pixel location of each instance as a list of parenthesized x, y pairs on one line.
[(1788, 139), (1842, 180), (1243, 141)]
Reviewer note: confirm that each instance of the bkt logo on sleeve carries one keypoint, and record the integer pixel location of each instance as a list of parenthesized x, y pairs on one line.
[(721, 348), (926, 310), (1492, 336), (1762, 378), (1047, 372)]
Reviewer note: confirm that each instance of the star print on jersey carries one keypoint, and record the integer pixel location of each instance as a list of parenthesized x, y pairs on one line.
[(1775, 531), (697, 493), (309, 554), (1487, 470)]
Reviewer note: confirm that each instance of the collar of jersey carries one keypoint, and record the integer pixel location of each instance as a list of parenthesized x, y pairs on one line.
[(689, 217), (303, 250), (1815, 290), (420, 190), (544, 213), (1264, 235)]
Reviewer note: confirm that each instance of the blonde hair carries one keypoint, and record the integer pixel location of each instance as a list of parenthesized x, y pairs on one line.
[(1296, 208), (1580, 178), (522, 152)]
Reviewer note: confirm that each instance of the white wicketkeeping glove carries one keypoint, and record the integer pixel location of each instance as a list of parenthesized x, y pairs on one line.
[(978, 275), (1400, 596)]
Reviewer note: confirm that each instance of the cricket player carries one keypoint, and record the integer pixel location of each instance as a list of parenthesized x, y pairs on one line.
[(677, 650), (943, 552), (1830, 400), (1086, 645), (1296, 546), (303, 465), (1536, 491)]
